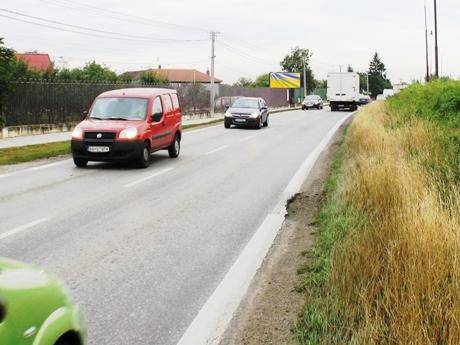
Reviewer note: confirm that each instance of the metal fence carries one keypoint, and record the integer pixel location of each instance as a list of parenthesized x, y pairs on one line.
[(45, 102)]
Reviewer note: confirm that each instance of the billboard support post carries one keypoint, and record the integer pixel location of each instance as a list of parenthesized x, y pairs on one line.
[(304, 81)]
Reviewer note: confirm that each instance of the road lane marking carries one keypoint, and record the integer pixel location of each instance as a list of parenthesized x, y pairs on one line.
[(46, 166), (36, 168), (22, 228), (216, 150), (158, 173), (247, 139), (216, 314)]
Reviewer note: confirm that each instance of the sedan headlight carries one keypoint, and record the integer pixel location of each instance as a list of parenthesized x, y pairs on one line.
[(128, 133), (77, 133), (228, 113), (255, 114)]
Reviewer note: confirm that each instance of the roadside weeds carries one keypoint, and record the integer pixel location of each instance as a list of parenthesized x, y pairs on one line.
[(385, 268)]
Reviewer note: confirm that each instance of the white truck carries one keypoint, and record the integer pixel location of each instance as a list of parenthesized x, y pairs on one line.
[(343, 90)]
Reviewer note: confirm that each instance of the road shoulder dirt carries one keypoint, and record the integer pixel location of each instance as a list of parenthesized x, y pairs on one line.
[(272, 304)]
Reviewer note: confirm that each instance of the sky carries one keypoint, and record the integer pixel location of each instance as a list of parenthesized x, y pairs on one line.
[(253, 36)]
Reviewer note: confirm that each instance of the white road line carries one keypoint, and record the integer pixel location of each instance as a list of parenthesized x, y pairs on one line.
[(192, 131), (5, 175), (158, 173), (22, 228), (214, 317), (216, 150), (46, 166), (247, 139)]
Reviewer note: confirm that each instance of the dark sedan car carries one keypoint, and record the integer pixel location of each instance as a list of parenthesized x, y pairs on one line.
[(248, 112), (311, 102)]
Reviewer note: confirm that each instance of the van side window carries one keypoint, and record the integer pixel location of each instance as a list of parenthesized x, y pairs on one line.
[(157, 107), (168, 103), (175, 101)]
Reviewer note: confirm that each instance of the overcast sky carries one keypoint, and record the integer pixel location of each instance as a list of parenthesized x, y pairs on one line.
[(253, 35)]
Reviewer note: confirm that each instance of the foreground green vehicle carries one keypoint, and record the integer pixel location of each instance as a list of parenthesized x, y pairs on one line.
[(35, 309)]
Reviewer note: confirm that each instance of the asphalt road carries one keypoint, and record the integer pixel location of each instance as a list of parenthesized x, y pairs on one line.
[(142, 250)]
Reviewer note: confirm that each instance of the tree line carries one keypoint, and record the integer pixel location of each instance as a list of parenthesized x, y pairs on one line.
[(294, 62)]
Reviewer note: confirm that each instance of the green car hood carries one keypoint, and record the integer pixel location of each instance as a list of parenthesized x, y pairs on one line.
[(30, 296)]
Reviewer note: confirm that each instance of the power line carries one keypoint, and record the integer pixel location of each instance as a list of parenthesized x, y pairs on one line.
[(117, 34), (134, 18), (245, 55)]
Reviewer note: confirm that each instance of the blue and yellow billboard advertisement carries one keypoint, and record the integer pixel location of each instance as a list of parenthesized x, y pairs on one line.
[(284, 80)]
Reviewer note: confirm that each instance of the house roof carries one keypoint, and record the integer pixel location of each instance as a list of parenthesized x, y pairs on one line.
[(40, 62), (178, 75)]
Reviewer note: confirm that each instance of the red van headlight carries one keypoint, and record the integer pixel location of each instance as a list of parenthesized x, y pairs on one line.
[(77, 133), (128, 133)]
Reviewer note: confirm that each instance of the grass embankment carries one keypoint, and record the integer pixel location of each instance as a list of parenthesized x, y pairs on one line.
[(386, 266), (29, 153)]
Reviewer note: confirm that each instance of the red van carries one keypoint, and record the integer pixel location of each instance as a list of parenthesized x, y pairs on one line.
[(128, 125)]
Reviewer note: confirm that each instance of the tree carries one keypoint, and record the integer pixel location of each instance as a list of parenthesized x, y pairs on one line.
[(244, 82), (294, 62), (262, 80), (11, 69), (362, 81), (152, 77), (378, 80)]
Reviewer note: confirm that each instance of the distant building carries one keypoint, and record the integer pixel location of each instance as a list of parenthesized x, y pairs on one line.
[(36, 61), (177, 76)]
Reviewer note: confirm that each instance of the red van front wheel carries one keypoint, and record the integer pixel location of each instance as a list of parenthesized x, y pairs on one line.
[(144, 159)]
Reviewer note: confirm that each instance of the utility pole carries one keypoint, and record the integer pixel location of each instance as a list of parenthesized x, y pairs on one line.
[(436, 52), (427, 78), (304, 80), (213, 56), (367, 77)]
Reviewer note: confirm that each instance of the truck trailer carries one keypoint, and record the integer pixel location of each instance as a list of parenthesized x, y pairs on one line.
[(343, 90)]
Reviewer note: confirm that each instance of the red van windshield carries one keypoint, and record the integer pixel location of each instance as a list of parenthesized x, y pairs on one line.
[(119, 109)]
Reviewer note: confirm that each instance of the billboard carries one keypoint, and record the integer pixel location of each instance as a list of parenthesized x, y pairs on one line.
[(284, 80)]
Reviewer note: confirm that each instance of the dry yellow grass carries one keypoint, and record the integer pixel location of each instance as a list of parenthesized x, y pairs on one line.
[(396, 277)]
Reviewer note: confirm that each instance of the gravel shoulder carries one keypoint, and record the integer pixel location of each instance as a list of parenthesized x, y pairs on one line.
[(272, 303)]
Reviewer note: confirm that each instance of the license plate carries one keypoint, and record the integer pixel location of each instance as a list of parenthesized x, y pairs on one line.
[(98, 149), (240, 120)]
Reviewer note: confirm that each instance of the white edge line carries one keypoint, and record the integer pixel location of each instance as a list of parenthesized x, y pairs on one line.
[(192, 131), (5, 175), (22, 228), (158, 173), (214, 317), (40, 167), (216, 150)]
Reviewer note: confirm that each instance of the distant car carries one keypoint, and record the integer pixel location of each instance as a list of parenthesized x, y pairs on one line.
[(129, 125), (381, 97), (35, 309), (364, 99), (248, 112), (311, 102)]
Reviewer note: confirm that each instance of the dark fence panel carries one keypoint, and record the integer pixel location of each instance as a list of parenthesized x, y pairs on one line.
[(45, 102), (53, 102), (273, 97)]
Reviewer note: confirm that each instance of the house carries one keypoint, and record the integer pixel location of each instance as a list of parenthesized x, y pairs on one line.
[(177, 76), (36, 61)]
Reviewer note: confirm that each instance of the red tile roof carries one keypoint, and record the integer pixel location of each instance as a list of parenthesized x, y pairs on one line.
[(39, 62), (178, 75)]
